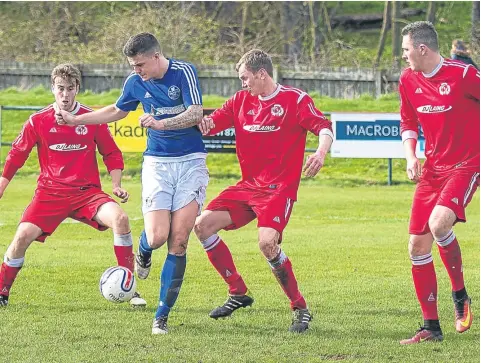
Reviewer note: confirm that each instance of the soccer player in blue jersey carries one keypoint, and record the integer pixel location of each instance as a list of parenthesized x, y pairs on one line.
[(174, 172)]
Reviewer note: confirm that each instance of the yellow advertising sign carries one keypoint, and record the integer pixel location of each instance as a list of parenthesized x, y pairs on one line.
[(128, 134)]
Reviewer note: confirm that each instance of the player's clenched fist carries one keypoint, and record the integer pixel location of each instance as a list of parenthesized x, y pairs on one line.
[(413, 169), (121, 193)]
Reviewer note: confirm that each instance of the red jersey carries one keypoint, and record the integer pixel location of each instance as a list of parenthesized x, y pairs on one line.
[(67, 155), (446, 104), (271, 136)]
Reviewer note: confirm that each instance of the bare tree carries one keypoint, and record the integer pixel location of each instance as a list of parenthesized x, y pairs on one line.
[(396, 35), (431, 13), (475, 27), (386, 25)]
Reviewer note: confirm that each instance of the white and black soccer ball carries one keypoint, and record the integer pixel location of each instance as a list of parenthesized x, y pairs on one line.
[(117, 284)]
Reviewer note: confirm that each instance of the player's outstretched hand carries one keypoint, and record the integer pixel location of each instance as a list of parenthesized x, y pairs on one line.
[(413, 169), (206, 125), (121, 193), (314, 163), (148, 121)]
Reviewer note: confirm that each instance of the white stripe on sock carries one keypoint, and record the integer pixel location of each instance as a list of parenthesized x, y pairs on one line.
[(211, 242), (123, 239), (446, 240), (422, 260), (13, 262)]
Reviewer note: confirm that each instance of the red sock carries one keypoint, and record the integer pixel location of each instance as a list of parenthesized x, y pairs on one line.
[(451, 256), (426, 285), (221, 258), (125, 256), (7, 277), (285, 276)]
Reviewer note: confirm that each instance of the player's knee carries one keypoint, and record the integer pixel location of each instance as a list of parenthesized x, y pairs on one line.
[(200, 228), (121, 221), (156, 239), (22, 240), (438, 226), (178, 245), (269, 247), (419, 245)]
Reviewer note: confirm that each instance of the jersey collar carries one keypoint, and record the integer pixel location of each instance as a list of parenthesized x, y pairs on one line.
[(73, 112), (272, 95), (436, 70)]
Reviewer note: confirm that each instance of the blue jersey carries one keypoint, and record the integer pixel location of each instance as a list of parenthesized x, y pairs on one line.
[(165, 98)]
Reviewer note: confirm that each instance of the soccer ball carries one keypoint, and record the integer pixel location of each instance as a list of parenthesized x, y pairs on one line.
[(117, 284)]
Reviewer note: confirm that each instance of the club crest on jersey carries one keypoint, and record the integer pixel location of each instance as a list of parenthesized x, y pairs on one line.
[(81, 130), (174, 92), (277, 110), (444, 89)]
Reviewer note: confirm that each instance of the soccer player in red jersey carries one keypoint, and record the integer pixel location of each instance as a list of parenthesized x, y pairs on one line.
[(69, 182), (441, 96), (271, 123)]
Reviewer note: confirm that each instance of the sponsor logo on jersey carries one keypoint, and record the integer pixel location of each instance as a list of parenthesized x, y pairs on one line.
[(444, 89), (174, 92), (418, 90), (251, 112), (65, 147), (81, 130), (53, 129), (433, 109), (166, 110), (147, 95), (277, 110), (260, 128)]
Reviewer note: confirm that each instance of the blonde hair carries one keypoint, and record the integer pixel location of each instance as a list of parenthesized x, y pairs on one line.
[(68, 72)]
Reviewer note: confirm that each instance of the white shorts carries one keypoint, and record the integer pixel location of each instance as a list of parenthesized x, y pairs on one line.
[(173, 185)]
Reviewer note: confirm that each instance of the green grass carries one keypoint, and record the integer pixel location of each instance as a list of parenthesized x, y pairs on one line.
[(349, 251), (339, 171)]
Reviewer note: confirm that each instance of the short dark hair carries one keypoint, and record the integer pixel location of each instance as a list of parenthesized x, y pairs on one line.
[(422, 32), (255, 60), (67, 72), (143, 43)]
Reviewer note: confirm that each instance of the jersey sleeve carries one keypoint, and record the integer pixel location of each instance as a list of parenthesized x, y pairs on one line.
[(223, 117), (21, 148), (127, 101), (111, 154), (471, 82), (311, 118), (190, 87), (409, 119)]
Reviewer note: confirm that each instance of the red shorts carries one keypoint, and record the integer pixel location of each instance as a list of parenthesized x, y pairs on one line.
[(246, 204), (454, 192), (48, 210)]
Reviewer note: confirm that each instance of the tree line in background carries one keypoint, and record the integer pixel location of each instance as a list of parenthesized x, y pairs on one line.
[(319, 34)]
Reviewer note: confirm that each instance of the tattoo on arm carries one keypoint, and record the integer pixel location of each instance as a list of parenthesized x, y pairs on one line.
[(191, 117)]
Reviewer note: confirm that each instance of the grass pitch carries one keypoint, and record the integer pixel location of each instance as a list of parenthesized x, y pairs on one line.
[(349, 251)]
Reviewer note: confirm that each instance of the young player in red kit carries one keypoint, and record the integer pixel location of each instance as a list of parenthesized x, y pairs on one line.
[(441, 96), (69, 182), (271, 123)]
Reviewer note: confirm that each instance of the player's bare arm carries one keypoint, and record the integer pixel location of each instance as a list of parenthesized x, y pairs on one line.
[(3, 185), (117, 189), (103, 116), (413, 166), (315, 162), (191, 117)]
